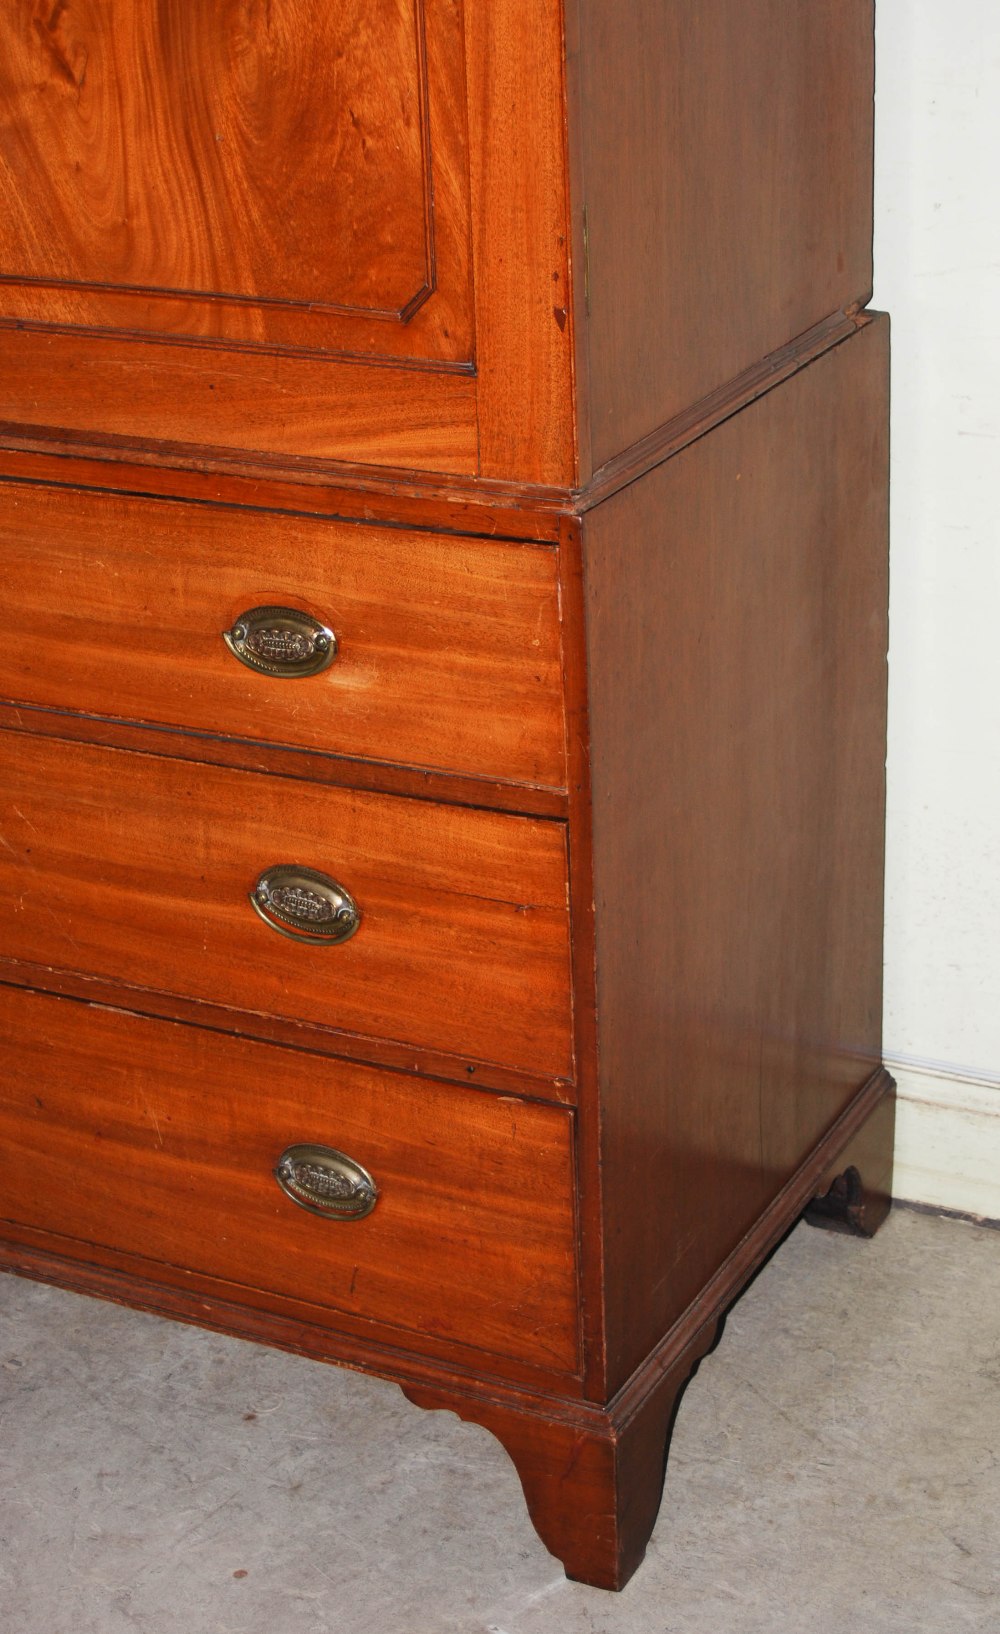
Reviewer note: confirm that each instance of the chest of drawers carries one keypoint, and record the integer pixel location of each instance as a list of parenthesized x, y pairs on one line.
[(443, 527)]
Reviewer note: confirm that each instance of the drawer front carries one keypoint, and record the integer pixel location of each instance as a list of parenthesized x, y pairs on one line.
[(448, 648), (138, 868), (160, 1141)]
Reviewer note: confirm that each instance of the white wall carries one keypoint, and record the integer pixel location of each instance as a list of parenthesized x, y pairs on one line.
[(937, 270)]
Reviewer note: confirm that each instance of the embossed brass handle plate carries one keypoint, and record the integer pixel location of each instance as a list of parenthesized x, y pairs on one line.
[(281, 641), (326, 1182), (305, 905)]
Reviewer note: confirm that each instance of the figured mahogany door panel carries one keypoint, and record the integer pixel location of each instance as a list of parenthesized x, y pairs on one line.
[(139, 869), (448, 648), (160, 1141), (289, 174)]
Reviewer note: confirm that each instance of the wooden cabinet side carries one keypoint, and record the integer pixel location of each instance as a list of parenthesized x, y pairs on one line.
[(736, 653)]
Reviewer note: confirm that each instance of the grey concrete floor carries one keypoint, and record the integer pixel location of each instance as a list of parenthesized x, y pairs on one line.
[(836, 1466)]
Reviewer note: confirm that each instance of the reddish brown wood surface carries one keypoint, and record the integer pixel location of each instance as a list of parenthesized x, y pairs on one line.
[(160, 1140), (449, 648), (239, 173), (592, 1474), (581, 874), (348, 491), (651, 195), (737, 642), (137, 869), (352, 493), (126, 391), (426, 1061), (593, 1487), (365, 312), (454, 135), (723, 155), (524, 308), (250, 755)]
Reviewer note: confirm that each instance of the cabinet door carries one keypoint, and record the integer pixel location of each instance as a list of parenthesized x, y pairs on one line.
[(250, 223), (265, 172)]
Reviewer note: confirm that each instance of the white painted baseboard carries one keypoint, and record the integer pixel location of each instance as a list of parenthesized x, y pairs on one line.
[(947, 1138)]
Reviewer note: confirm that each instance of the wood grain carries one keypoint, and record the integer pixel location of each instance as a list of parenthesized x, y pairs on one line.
[(582, 919), (161, 1140), (251, 755), (351, 493), (524, 303), (495, 127), (592, 1473), (723, 155), (737, 658), (137, 869), (238, 172), (449, 648), (593, 1489), (505, 336), (322, 1039), (652, 194), (130, 391)]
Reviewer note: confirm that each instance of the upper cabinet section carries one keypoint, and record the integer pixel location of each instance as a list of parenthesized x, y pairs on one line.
[(498, 239)]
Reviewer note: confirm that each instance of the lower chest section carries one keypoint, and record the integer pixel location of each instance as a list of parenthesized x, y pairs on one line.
[(286, 1003)]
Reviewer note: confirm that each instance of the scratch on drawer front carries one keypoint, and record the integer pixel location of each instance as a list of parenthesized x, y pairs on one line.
[(150, 1109)]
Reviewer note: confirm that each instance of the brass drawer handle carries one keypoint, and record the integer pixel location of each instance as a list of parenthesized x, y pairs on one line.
[(281, 641), (307, 906), (326, 1182)]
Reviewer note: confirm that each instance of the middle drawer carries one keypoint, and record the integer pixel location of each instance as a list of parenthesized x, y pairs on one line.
[(139, 868)]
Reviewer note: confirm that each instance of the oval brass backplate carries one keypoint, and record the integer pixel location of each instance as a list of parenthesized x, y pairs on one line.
[(281, 641), (305, 905), (326, 1182)]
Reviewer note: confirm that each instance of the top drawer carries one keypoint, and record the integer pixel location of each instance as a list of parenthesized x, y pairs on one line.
[(448, 647)]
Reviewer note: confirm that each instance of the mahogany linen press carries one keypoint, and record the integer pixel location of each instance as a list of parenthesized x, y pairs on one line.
[(443, 540)]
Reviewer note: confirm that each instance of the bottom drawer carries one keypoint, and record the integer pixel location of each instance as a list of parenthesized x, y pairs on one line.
[(154, 1139)]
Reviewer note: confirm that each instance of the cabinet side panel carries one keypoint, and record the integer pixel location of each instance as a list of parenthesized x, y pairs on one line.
[(727, 178), (736, 607)]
